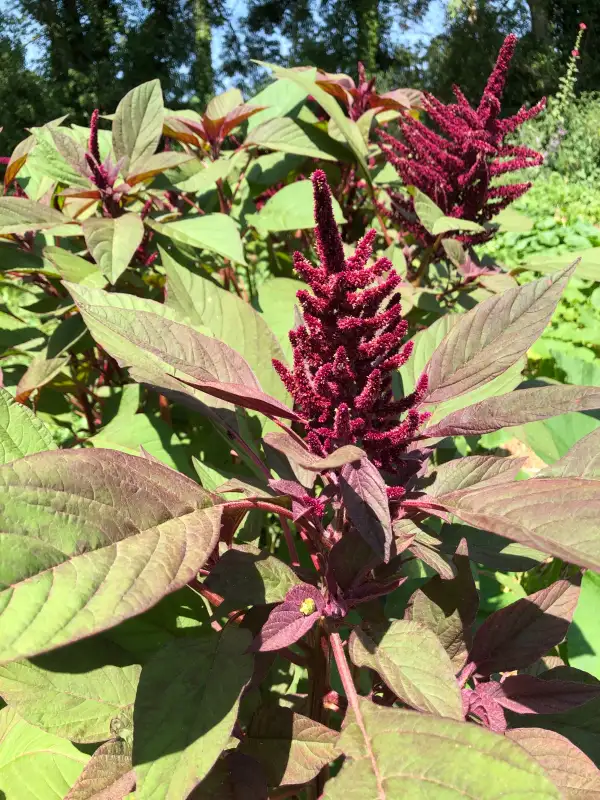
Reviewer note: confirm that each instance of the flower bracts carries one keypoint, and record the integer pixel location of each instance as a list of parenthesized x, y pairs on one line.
[(350, 344), (456, 167)]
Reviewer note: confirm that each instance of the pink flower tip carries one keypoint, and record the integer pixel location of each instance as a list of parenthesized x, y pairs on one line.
[(582, 26), (575, 53)]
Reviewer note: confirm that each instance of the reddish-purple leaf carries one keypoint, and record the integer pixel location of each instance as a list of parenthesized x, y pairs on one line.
[(365, 499), (301, 455), (568, 768), (108, 775), (461, 473), (516, 408), (493, 336), (290, 620), (526, 694), (244, 396), (449, 608), (582, 460), (539, 513), (484, 706), (517, 635)]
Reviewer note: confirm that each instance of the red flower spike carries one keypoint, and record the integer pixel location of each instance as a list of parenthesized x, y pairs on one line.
[(455, 167), (93, 141), (348, 348)]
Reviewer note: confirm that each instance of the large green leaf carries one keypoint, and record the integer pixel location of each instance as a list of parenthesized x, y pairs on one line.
[(215, 232), (551, 439), (512, 221), (93, 537), (21, 432), (19, 215), (113, 242), (159, 351), (347, 127), (35, 765), (277, 298), (227, 317), (588, 266), (73, 268), (493, 336), (280, 99), (185, 709), (435, 221), (129, 433), (247, 576), (290, 209), (299, 138), (583, 638), (413, 663), (137, 125), (402, 755), (555, 515), (517, 408), (56, 155), (58, 694)]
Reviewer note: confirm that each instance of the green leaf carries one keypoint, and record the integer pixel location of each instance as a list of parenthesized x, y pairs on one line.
[(277, 298), (223, 103), (113, 242), (583, 638), (511, 221), (461, 473), (215, 232), (55, 155), (160, 351), (588, 266), (128, 434), (517, 408), (290, 209), (40, 372), (396, 754), (349, 129), (21, 432), (19, 215), (35, 765), (186, 706), (59, 695), (228, 318), (75, 269), (281, 98), (493, 336), (199, 176), (137, 125), (299, 138), (291, 748), (582, 460), (425, 209), (108, 535), (107, 775), (413, 663), (558, 516), (247, 576), (551, 439)]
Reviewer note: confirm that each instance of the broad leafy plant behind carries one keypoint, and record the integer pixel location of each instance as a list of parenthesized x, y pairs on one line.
[(342, 647)]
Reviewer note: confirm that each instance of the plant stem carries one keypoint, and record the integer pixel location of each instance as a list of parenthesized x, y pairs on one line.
[(337, 648), (289, 540)]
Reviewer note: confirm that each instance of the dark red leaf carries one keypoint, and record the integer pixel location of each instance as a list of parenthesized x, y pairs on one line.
[(526, 694), (365, 498), (517, 635), (290, 620)]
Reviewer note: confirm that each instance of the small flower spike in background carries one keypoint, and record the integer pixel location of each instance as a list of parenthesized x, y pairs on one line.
[(456, 167)]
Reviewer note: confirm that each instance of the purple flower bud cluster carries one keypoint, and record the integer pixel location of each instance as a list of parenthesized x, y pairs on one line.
[(348, 347), (457, 166)]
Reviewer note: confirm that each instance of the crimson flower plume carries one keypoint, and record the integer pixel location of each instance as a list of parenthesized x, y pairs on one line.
[(456, 166), (349, 346)]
